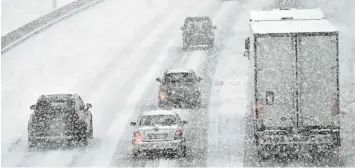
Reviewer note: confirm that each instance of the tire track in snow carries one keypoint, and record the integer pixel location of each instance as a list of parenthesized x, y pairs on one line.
[(126, 153), (128, 86), (28, 156)]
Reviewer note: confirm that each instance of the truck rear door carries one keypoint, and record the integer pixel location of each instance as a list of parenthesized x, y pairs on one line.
[(275, 67), (318, 79)]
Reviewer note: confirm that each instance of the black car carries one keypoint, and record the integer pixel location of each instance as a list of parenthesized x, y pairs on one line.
[(198, 31), (60, 119), (179, 88)]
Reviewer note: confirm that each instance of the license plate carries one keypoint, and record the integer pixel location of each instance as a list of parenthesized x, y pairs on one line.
[(157, 136)]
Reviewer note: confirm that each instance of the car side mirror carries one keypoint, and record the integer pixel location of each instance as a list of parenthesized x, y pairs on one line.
[(247, 43), (158, 79), (33, 107), (133, 124), (88, 106), (183, 122), (81, 107), (246, 54), (214, 27), (199, 79)]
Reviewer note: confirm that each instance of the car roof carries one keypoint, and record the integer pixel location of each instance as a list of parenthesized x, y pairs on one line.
[(57, 96), (198, 18), (179, 70), (158, 112)]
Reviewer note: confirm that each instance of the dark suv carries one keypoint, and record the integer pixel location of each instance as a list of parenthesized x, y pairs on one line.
[(60, 119), (198, 31), (179, 88)]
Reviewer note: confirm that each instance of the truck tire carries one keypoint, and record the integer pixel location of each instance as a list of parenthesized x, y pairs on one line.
[(31, 144), (184, 46)]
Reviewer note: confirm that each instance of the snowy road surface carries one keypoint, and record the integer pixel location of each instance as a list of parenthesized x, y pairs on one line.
[(112, 61)]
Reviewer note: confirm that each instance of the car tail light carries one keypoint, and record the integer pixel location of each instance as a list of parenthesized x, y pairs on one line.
[(137, 137), (335, 105), (163, 95), (178, 134), (260, 109)]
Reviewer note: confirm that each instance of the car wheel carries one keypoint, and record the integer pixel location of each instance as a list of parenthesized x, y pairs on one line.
[(136, 154), (91, 131), (184, 46), (182, 151), (31, 144), (211, 45)]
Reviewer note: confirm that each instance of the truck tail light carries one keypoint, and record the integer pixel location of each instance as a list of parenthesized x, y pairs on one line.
[(178, 134), (335, 105), (260, 109)]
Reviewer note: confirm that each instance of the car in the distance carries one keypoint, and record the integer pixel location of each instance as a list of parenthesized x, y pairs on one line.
[(198, 31), (60, 119), (179, 87), (159, 131)]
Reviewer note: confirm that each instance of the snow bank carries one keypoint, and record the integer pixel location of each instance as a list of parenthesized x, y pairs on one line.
[(16, 13)]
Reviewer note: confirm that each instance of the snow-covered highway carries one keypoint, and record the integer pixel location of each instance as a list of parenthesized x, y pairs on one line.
[(111, 54)]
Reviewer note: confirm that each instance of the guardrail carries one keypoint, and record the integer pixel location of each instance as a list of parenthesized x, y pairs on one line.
[(30, 29)]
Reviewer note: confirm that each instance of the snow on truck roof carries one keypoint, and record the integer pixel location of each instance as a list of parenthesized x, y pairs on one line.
[(297, 21), (304, 26), (277, 14)]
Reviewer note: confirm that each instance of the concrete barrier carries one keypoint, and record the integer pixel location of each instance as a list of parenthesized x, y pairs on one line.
[(28, 30)]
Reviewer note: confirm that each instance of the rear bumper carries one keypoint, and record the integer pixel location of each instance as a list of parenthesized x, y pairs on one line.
[(159, 145), (49, 140), (312, 137)]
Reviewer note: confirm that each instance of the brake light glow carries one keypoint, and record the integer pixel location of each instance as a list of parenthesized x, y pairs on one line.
[(163, 95), (260, 109), (137, 137), (178, 134), (335, 105)]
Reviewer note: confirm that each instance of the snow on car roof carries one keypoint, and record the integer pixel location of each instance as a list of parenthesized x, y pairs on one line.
[(178, 70), (159, 112), (297, 26), (277, 14)]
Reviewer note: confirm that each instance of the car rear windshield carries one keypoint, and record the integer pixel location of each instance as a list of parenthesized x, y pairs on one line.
[(179, 77), (48, 104), (160, 120), (198, 25)]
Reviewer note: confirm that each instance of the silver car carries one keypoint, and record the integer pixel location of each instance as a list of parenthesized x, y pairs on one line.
[(159, 130)]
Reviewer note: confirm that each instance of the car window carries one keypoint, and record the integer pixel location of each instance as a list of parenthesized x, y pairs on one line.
[(159, 120), (47, 104), (179, 77), (80, 102), (198, 25)]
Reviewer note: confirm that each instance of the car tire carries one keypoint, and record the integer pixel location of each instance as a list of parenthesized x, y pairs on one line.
[(184, 46), (182, 151), (31, 144), (136, 154), (211, 44), (91, 131)]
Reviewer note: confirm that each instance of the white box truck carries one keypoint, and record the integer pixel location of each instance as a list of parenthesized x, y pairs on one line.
[(294, 81)]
